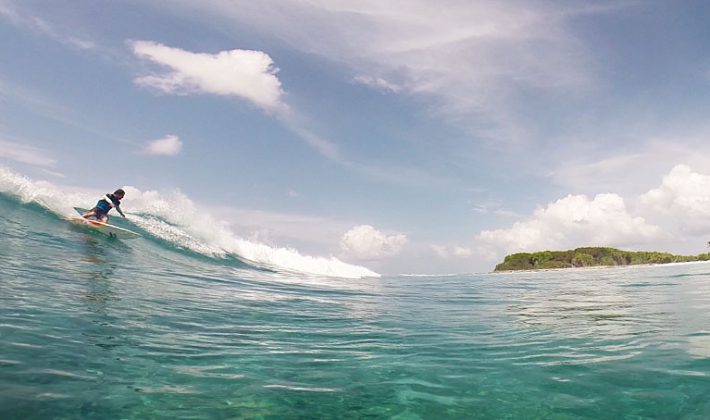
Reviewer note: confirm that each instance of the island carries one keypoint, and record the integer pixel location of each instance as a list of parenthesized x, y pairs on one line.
[(590, 257)]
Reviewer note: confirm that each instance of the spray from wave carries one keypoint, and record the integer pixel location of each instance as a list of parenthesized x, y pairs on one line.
[(174, 218)]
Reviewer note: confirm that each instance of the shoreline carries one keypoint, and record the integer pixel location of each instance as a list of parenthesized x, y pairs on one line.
[(536, 270)]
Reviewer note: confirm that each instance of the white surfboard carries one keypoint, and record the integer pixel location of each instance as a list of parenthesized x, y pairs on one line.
[(105, 228)]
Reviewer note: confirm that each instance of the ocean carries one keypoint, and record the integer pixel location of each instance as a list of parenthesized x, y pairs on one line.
[(188, 323)]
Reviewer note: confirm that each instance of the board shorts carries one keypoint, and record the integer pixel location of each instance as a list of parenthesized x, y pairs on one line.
[(102, 208)]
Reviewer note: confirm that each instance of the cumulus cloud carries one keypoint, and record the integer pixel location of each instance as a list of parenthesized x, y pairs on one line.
[(366, 242), (25, 154), (682, 202), (682, 192), (247, 74), (573, 221), (169, 146)]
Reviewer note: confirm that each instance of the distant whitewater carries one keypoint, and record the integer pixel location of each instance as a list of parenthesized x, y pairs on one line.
[(176, 221)]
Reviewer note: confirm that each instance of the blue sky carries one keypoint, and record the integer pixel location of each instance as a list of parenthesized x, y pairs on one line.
[(407, 137)]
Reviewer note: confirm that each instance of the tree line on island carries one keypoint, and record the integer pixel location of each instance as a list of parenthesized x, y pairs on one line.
[(590, 257)]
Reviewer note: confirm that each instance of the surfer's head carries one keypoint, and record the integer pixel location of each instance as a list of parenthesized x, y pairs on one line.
[(119, 193)]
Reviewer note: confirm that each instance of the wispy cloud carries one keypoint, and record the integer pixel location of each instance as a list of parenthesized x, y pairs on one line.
[(54, 109), (13, 14), (391, 173), (323, 146), (26, 154), (283, 227), (476, 60), (250, 75), (169, 145), (378, 83), (627, 172), (491, 206), (53, 173), (31, 98)]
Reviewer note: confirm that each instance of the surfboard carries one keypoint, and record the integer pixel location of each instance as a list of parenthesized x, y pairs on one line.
[(105, 228)]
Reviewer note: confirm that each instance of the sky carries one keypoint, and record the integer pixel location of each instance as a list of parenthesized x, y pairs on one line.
[(406, 137)]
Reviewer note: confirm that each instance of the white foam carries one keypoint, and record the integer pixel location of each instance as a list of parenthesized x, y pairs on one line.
[(201, 232), (40, 192), (173, 217)]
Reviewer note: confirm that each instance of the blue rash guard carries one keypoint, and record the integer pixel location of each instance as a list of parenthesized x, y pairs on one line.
[(105, 204)]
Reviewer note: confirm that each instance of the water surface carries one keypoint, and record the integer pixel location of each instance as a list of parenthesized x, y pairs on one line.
[(98, 328)]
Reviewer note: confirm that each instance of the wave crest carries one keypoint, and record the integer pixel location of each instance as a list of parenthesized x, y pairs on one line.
[(174, 218)]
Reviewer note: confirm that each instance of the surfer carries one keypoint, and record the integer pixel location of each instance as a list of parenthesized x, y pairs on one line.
[(105, 204)]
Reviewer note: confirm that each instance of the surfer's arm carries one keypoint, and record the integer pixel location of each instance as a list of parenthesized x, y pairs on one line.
[(118, 209)]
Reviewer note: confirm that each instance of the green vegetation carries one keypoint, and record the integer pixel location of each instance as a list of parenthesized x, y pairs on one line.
[(590, 257)]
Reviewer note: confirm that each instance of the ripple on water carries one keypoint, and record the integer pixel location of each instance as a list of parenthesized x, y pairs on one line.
[(139, 332)]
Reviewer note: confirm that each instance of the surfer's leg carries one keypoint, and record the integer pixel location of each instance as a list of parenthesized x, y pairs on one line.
[(89, 213)]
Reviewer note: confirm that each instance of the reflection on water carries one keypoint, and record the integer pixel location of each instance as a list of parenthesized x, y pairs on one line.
[(99, 258), (595, 307), (97, 264), (609, 302)]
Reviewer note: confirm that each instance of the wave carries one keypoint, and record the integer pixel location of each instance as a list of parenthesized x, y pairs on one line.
[(174, 219)]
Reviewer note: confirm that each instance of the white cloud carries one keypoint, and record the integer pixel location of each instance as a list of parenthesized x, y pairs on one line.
[(570, 222), (25, 154), (474, 58), (250, 75), (169, 145), (378, 83), (53, 173), (17, 17), (247, 74), (682, 192), (366, 242), (682, 203), (314, 233), (629, 173), (323, 146), (493, 207), (455, 251)]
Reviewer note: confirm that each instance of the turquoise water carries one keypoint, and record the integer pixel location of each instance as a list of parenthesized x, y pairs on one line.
[(97, 328)]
